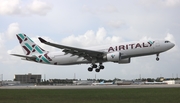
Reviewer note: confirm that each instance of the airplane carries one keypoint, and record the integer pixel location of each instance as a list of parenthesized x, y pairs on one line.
[(118, 53), (82, 82), (103, 83)]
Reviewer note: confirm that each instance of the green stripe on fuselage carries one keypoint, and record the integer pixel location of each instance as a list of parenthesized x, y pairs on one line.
[(39, 50), (37, 59), (21, 36), (30, 39), (29, 47), (44, 59)]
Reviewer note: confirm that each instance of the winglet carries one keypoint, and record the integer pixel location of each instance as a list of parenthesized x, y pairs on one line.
[(42, 40)]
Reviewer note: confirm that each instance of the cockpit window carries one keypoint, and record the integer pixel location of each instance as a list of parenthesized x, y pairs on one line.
[(167, 41)]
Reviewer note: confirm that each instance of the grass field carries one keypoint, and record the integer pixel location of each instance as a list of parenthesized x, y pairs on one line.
[(141, 95)]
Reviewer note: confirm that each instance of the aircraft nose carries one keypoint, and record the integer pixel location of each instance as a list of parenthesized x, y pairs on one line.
[(173, 44)]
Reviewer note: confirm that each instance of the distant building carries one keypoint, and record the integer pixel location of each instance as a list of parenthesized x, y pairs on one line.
[(10, 83), (60, 81), (177, 81), (123, 82), (169, 81), (28, 78)]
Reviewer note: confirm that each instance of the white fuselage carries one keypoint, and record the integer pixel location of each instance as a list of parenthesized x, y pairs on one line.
[(128, 50)]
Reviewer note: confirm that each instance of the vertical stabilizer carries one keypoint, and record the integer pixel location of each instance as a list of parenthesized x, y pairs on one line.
[(28, 46)]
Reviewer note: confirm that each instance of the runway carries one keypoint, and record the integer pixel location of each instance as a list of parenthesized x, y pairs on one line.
[(91, 87)]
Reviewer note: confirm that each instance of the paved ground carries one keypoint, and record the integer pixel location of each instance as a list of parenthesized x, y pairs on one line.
[(91, 87)]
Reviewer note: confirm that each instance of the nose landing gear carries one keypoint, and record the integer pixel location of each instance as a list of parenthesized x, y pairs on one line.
[(157, 58)]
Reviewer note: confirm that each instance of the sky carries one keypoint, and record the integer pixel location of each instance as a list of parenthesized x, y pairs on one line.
[(84, 23)]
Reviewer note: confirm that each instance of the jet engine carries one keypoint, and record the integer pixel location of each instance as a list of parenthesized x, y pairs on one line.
[(116, 57)]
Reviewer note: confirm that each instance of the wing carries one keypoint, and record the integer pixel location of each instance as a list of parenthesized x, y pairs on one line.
[(87, 54)]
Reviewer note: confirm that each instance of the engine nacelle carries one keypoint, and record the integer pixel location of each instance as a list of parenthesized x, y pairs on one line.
[(116, 57)]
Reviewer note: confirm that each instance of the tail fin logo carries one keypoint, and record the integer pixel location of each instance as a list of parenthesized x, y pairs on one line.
[(29, 47)]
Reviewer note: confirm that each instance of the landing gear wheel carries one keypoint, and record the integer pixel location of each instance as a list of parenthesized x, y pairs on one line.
[(157, 59), (101, 67), (90, 69), (94, 66), (97, 70)]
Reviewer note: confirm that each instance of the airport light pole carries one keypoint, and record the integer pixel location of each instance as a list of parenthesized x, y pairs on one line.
[(1, 79)]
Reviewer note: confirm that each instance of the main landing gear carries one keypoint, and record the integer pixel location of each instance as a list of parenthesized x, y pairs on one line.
[(98, 68), (157, 58)]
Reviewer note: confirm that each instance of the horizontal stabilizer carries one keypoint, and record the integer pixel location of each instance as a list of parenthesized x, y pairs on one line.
[(24, 56)]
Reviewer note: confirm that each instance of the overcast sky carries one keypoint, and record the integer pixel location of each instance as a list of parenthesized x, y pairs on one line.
[(83, 23)]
